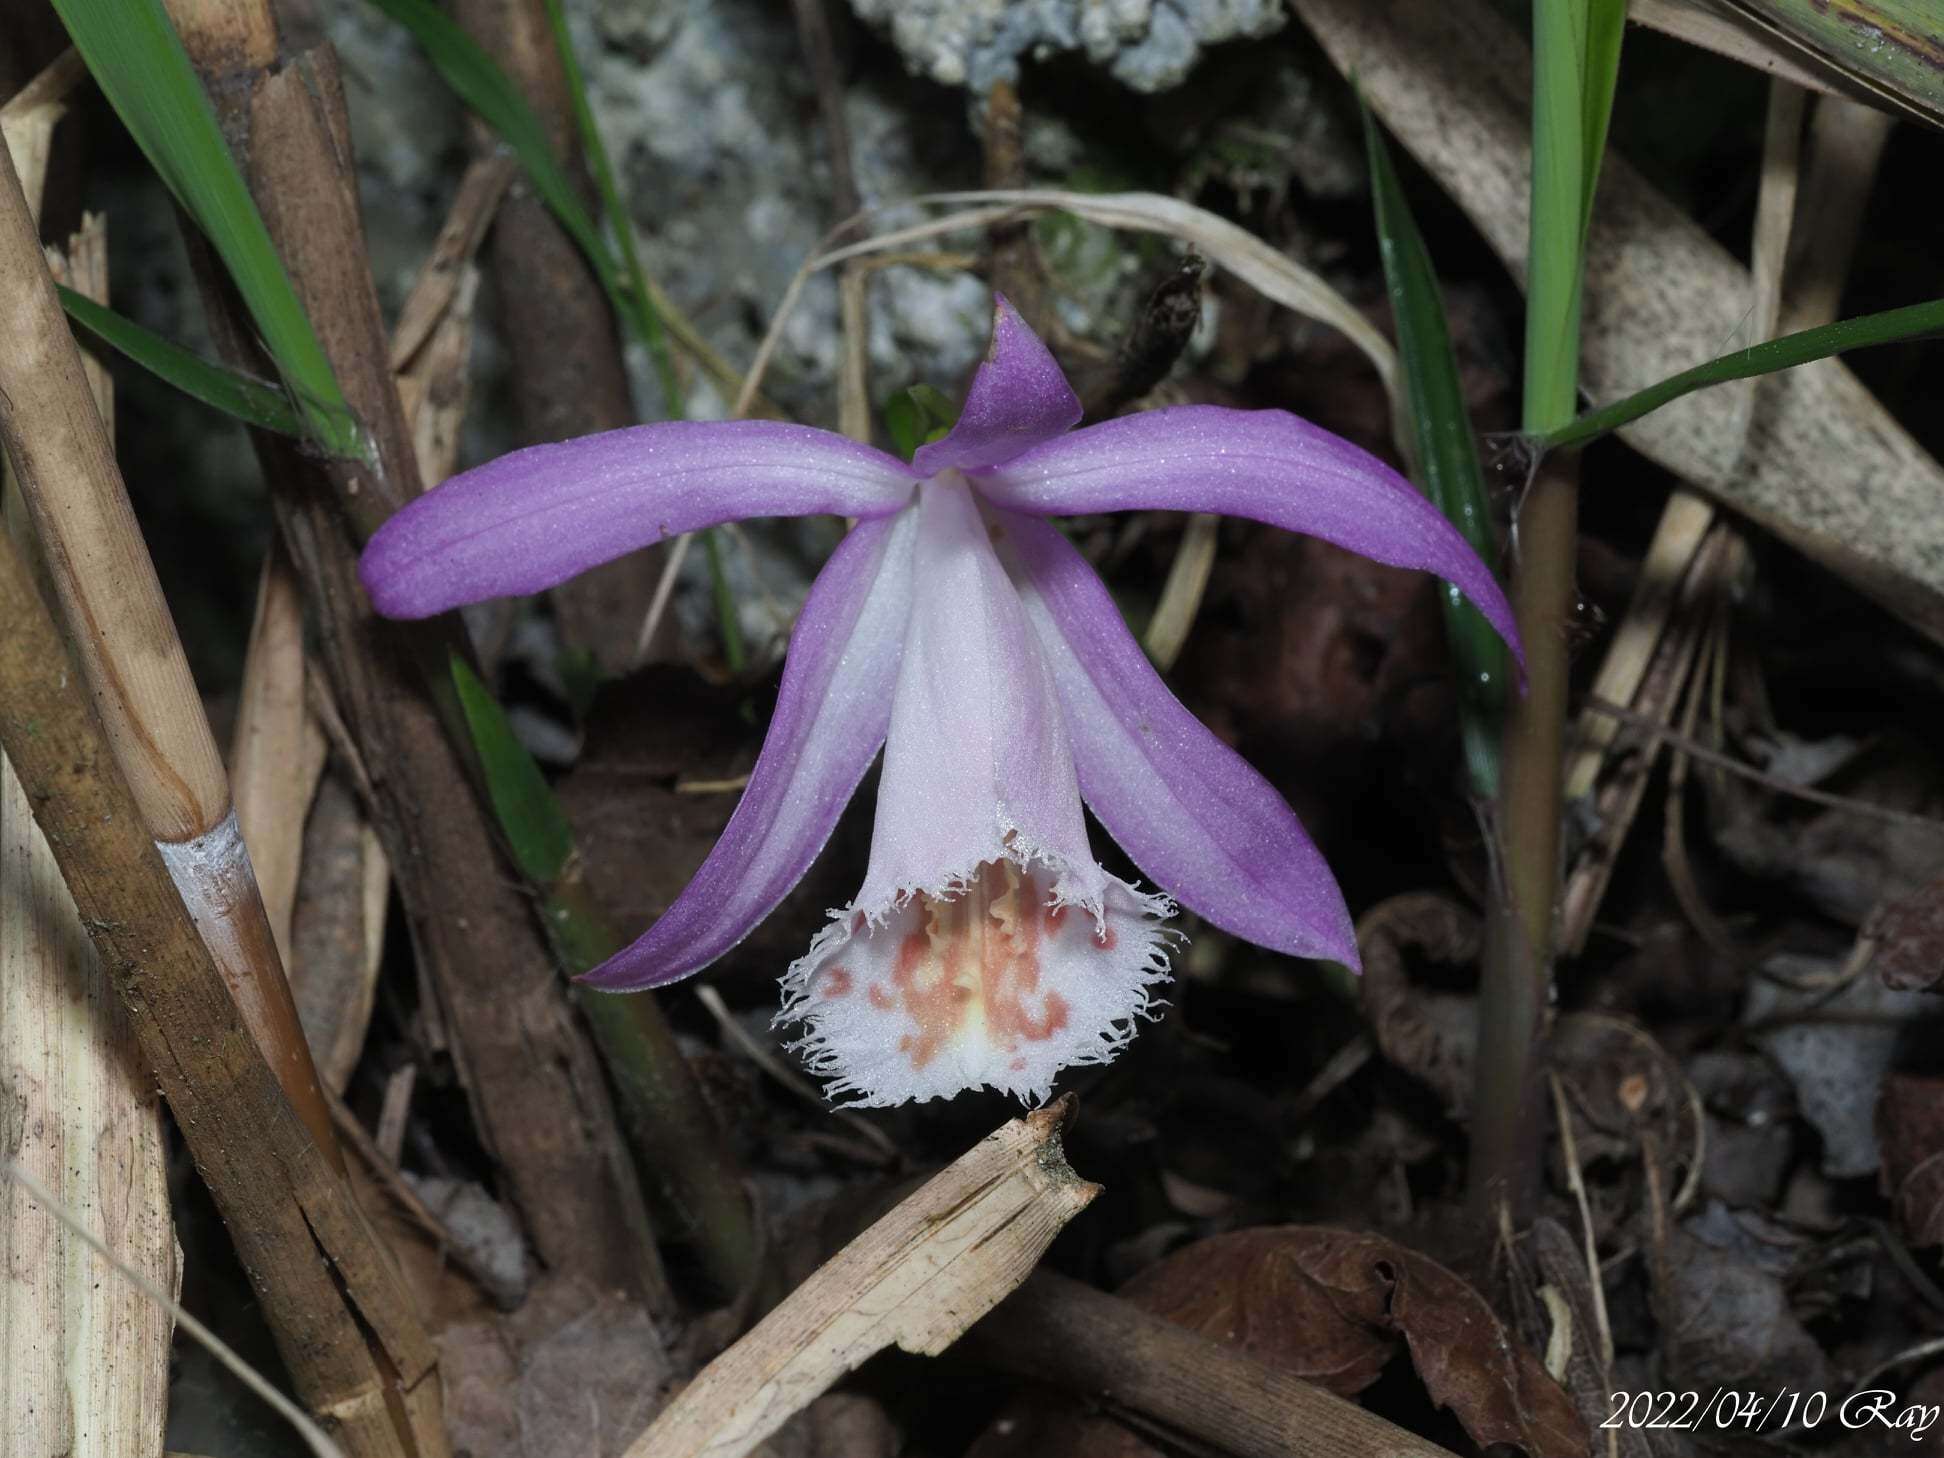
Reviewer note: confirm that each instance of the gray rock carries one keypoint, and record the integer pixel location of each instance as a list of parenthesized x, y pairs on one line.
[(1149, 45)]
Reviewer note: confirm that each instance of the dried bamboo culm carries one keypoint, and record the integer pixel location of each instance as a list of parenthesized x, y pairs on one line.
[(535, 1087), (132, 661), (353, 1346), (86, 1367)]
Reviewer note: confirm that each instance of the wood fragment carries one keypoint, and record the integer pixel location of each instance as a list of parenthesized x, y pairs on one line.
[(28, 119), (277, 750), (916, 1279), (130, 657), (436, 387), (338, 930)]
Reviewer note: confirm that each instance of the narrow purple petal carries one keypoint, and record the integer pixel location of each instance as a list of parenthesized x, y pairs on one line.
[(830, 719), (1189, 811), (1266, 465), (536, 517), (1018, 399)]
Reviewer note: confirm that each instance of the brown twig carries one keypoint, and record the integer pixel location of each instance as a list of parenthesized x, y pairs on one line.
[(1056, 1330), (1017, 269), (95, 1353)]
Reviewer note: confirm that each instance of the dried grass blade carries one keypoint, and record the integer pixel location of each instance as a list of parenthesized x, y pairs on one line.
[(1270, 273)]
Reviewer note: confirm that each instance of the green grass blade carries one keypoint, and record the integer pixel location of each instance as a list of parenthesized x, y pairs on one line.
[(1913, 321), (647, 322), (1606, 27), (1448, 468), (536, 828), (137, 59), (1576, 65), (479, 82), (234, 394)]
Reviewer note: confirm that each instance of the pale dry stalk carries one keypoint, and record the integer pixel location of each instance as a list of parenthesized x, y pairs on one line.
[(130, 656), (86, 1369)]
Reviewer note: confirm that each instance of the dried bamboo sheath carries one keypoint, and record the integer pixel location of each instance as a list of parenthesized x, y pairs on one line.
[(84, 1356)]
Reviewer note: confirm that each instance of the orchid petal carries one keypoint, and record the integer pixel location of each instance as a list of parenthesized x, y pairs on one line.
[(830, 719), (977, 764), (1266, 465), (1018, 399), (1189, 811), (536, 517)]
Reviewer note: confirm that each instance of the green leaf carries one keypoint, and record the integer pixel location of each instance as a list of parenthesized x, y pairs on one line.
[(1606, 28), (1889, 47), (647, 322), (918, 415), (725, 603), (1575, 63), (535, 827), (235, 394), (137, 59), (1913, 321), (1448, 468)]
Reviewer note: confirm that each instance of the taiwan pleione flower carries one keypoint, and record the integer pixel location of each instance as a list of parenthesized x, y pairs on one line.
[(958, 629)]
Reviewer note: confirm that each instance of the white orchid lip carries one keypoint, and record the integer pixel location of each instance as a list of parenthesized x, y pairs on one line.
[(986, 947), (994, 983)]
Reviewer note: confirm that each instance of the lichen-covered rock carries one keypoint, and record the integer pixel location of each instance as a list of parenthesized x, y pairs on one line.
[(1147, 44)]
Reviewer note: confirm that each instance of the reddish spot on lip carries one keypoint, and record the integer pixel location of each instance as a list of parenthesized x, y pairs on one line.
[(984, 947), (836, 982)]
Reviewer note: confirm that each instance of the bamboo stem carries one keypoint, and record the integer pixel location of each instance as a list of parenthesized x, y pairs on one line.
[(131, 658), (87, 1358), (342, 1322)]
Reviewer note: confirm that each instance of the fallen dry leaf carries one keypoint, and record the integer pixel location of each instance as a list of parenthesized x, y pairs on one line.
[(1909, 933), (1910, 1131)]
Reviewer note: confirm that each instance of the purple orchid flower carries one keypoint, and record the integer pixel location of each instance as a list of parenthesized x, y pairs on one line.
[(958, 629)]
